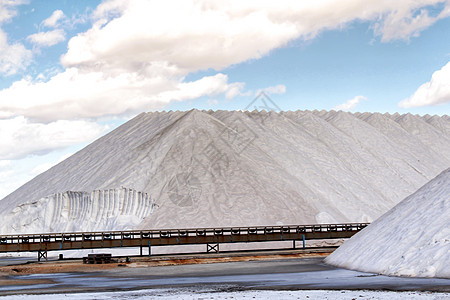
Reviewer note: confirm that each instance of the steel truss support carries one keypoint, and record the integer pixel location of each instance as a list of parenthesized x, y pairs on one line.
[(42, 254), (212, 248)]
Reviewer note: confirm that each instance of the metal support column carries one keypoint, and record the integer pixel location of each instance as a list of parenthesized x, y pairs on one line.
[(42, 254), (212, 248)]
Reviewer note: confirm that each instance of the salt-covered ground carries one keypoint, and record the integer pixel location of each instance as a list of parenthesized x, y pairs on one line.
[(412, 239), (200, 279), (234, 168), (280, 295)]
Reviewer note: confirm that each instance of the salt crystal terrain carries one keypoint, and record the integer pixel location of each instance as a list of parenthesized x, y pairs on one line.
[(235, 168), (411, 239), (70, 211)]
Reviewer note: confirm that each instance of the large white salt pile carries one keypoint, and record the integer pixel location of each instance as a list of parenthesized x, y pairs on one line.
[(412, 239), (236, 168)]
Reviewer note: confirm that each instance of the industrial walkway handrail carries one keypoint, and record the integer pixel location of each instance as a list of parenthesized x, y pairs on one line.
[(180, 233)]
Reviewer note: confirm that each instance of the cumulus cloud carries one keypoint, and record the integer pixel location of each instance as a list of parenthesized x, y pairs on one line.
[(434, 92), (54, 19), (350, 104), (50, 37), (137, 53), (276, 89), (47, 38), (8, 9), (201, 35), (6, 172), (14, 57), (20, 137), (408, 21), (75, 94)]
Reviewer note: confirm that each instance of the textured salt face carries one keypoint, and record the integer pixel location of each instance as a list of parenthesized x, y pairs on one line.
[(412, 239), (222, 168), (81, 211)]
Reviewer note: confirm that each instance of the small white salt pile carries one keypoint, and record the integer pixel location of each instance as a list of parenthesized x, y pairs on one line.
[(412, 239)]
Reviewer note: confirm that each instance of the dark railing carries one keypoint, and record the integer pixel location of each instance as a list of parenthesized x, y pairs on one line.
[(163, 237)]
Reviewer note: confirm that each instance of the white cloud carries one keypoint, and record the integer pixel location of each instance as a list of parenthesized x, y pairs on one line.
[(75, 94), (14, 173), (5, 170), (434, 92), (408, 21), (350, 104), (4, 163), (201, 35), (47, 38), (8, 9), (54, 19), (50, 37), (19, 137), (13, 57), (137, 54), (276, 89)]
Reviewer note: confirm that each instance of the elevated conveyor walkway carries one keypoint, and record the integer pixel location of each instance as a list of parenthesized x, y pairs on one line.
[(211, 237)]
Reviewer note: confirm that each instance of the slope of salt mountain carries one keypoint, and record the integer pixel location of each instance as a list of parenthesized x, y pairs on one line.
[(441, 124), (427, 133), (411, 239), (379, 155), (404, 141), (222, 168)]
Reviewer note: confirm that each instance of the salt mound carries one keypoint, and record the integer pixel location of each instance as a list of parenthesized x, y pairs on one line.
[(412, 239), (238, 168)]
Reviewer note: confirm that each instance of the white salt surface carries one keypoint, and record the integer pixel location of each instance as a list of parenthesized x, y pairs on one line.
[(412, 239), (176, 294), (238, 168), (71, 211)]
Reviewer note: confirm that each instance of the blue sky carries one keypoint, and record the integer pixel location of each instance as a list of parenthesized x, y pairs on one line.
[(70, 71), (341, 64)]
